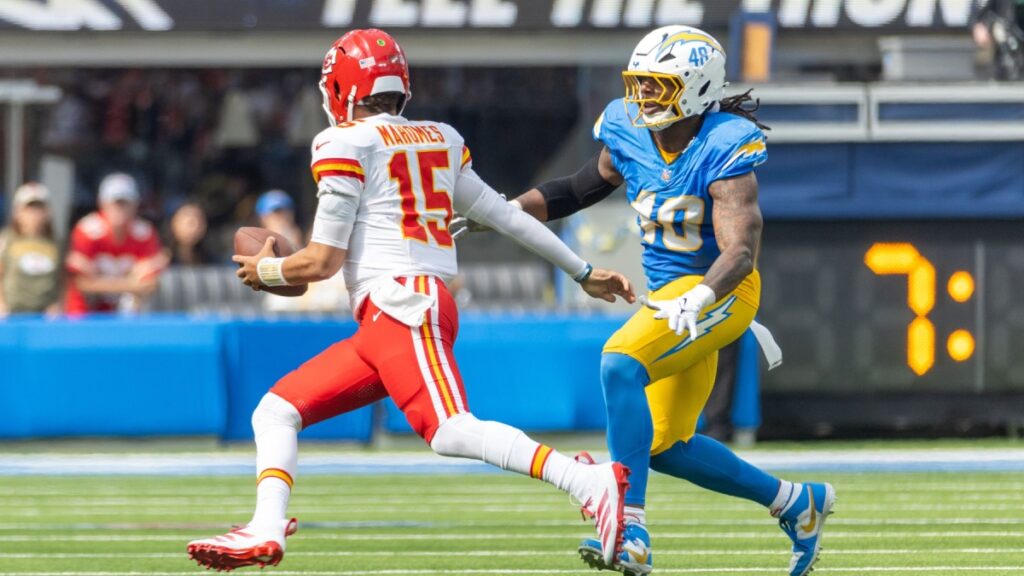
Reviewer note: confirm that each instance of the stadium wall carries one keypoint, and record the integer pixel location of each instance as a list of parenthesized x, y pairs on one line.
[(176, 375)]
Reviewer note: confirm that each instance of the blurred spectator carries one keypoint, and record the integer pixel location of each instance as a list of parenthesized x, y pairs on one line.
[(29, 256), (187, 233), (115, 258), (277, 214), (999, 30)]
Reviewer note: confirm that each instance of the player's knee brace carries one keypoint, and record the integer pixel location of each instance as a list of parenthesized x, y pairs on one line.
[(275, 411)]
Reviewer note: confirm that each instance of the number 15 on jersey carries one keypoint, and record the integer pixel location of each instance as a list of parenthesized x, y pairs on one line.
[(433, 221)]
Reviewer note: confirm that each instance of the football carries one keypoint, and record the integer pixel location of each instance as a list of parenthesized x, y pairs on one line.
[(249, 240)]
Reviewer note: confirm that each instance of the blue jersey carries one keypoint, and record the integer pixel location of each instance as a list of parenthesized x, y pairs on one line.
[(671, 199)]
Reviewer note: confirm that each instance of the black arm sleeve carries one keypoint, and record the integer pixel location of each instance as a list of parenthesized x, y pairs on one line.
[(570, 194)]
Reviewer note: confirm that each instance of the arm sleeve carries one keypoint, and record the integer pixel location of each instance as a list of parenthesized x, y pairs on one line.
[(570, 194), (750, 152), (479, 202), (339, 177), (335, 214)]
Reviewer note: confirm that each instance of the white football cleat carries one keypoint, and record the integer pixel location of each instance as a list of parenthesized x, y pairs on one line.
[(244, 546), (605, 504)]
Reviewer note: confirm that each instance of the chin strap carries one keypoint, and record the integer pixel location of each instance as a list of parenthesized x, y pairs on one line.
[(351, 103), (654, 123)]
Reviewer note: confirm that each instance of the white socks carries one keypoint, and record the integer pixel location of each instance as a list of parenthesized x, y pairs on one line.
[(271, 502), (567, 474), (508, 448), (276, 424), (788, 493), (635, 515)]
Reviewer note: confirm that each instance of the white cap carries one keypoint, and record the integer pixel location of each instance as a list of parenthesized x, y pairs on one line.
[(31, 192), (119, 186)]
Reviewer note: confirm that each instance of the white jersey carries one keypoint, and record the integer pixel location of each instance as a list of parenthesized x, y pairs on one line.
[(399, 176), (387, 190)]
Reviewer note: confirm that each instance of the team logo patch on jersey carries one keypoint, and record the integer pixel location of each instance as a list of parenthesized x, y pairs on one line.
[(666, 174), (750, 149)]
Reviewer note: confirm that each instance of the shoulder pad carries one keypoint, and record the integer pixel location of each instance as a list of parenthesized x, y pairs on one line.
[(450, 133), (612, 121), (728, 127), (337, 141)]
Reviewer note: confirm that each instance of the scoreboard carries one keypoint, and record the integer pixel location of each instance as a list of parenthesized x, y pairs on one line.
[(889, 306)]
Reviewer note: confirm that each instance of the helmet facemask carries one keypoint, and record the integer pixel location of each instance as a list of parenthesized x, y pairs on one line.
[(671, 88)]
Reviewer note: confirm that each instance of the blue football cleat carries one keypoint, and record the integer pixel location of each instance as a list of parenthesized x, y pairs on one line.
[(635, 558), (803, 520), (591, 553)]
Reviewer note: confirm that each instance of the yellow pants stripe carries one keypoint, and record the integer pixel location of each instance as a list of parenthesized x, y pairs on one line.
[(440, 381)]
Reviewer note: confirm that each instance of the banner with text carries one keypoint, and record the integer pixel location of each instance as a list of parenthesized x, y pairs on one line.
[(241, 15)]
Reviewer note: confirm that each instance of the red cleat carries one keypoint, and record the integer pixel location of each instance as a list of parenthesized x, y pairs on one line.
[(243, 546), (605, 504)]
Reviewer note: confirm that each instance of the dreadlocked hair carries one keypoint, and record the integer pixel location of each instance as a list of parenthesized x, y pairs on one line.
[(738, 105), (384, 102)]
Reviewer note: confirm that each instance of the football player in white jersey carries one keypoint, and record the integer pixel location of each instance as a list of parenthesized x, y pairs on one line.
[(387, 189)]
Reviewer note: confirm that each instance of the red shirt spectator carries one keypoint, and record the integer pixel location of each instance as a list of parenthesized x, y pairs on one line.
[(115, 258)]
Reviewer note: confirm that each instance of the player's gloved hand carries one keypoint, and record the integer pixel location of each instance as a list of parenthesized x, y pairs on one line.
[(682, 312), (460, 226), (606, 285)]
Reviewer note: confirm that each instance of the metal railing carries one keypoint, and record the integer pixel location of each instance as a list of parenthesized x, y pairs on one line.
[(966, 112)]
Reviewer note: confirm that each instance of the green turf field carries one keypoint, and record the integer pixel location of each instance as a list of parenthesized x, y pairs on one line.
[(945, 523)]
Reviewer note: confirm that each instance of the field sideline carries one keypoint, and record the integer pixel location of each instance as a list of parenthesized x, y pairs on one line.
[(947, 523)]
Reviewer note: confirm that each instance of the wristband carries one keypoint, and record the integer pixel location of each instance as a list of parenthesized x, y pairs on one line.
[(582, 276), (702, 294), (270, 272)]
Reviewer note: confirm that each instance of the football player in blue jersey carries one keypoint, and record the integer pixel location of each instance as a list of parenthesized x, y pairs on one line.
[(687, 156)]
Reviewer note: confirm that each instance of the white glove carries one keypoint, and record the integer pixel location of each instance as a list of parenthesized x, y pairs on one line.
[(682, 312)]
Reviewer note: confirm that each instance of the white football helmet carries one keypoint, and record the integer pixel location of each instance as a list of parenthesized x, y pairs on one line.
[(686, 63)]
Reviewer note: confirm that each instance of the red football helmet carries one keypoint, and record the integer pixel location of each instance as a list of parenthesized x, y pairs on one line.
[(359, 64)]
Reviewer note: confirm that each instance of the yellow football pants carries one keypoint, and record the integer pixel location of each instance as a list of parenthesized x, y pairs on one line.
[(681, 371)]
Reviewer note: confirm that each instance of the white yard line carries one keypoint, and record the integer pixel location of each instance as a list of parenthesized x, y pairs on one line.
[(397, 572), (767, 534), (424, 505), (662, 496), (964, 490), (694, 522), (781, 551), (897, 460)]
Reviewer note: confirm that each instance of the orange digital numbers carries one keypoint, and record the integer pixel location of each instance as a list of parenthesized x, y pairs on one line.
[(904, 259)]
